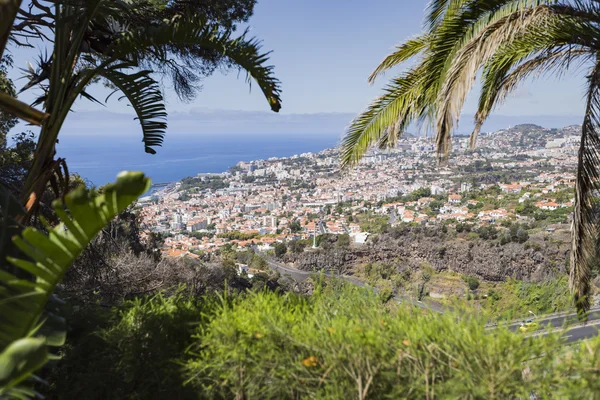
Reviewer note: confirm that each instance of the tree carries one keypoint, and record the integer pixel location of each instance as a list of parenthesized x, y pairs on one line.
[(297, 246), (15, 160), (7, 120), (436, 205), (295, 226), (123, 44), (280, 249), (508, 41), (91, 40)]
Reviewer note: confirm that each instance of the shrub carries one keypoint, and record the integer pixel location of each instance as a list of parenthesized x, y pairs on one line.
[(344, 344), (129, 352), (338, 343), (487, 232), (472, 236), (472, 282)]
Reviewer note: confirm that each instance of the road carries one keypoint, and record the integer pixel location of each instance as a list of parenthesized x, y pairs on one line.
[(560, 320), (578, 333), (556, 321), (300, 276)]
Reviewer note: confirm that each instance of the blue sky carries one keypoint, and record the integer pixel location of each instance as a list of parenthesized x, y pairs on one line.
[(323, 51)]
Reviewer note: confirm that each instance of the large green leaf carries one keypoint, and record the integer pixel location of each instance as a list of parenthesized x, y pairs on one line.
[(18, 361), (46, 258)]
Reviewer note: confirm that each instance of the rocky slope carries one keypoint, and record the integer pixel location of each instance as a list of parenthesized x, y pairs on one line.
[(542, 257)]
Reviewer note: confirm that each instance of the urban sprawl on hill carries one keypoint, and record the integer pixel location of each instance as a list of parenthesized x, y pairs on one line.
[(514, 174)]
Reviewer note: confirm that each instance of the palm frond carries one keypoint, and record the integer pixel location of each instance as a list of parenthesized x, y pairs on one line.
[(147, 100), (244, 52), (403, 52), (586, 217), (457, 23), (385, 119), (468, 61), (507, 69), (438, 10), (552, 47)]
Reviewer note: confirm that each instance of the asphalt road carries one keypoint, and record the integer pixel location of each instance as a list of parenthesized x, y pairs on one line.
[(578, 333), (560, 320), (556, 321)]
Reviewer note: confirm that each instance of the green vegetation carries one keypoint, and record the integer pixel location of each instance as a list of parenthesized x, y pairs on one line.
[(255, 338), (341, 342), (330, 241), (295, 226), (280, 249), (472, 282), (198, 184), (517, 298), (124, 45), (134, 347), (372, 223), (237, 235), (298, 246)]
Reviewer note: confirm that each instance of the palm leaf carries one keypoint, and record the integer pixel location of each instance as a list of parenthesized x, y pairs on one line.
[(403, 52), (503, 75), (47, 258), (386, 118), (586, 218), (147, 100), (451, 23), (468, 61), (154, 43)]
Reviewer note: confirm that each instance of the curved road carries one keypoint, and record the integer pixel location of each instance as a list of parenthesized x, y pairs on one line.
[(300, 276), (556, 321)]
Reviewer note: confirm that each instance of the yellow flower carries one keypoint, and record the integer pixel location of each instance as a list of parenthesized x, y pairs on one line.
[(258, 335), (405, 342), (311, 361), (330, 330)]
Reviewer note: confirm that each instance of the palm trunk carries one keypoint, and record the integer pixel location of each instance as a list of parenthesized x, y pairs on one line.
[(8, 13)]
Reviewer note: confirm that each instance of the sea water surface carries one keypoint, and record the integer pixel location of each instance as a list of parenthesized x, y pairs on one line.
[(100, 158)]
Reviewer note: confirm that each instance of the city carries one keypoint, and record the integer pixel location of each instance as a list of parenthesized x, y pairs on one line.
[(286, 199)]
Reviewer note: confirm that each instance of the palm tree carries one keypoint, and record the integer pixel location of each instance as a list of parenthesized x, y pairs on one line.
[(32, 263), (100, 40), (505, 41)]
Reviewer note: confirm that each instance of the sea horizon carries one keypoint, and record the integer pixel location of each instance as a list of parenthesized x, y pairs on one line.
[(99, 159)]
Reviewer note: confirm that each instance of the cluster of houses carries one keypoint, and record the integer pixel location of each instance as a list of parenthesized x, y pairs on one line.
[(295, 198)]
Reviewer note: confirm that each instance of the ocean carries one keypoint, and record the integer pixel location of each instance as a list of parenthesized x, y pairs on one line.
[(99, 159)]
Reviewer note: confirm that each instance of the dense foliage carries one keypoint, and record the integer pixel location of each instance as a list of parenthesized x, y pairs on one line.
[(341, 342), (198, 183)]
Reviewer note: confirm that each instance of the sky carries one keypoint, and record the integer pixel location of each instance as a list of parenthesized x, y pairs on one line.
[(323, 52)]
